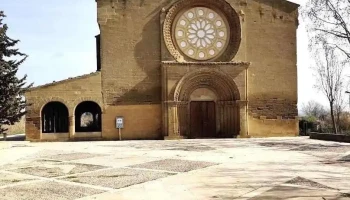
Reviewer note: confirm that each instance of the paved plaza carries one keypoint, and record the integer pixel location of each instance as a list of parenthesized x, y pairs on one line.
[(256, 169)]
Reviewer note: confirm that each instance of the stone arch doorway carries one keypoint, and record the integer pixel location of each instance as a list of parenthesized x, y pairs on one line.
[(88, 117), (207, 105), (54, 117)]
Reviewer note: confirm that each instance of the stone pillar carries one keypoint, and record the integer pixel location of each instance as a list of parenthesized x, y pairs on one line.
[(40, 128), (71, 126), (174, 123), (33, 128), (183, 118), (243, 119)]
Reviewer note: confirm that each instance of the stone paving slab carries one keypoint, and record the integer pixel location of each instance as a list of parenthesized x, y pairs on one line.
[(340, 183), (286, 145), (49, 154), (295, 193), (345, 158), (169, 146), (72, 156), (306, 182), (201, 184), (175, 165), (334, 148), (117, 161), (45, 168), (263, 168), (24, 163), (46, 190), (4, 145), (7, 179), (117, 178)]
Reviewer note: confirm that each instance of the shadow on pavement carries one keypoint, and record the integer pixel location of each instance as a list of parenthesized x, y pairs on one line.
[(21, 137)]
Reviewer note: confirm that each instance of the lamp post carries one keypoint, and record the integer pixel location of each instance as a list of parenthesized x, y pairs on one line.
[(348, 92)]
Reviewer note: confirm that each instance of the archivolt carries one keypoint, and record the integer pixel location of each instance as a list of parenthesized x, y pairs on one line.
[(215, 80)]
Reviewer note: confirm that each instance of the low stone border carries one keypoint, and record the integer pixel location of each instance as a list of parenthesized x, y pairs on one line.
[(330, 137)]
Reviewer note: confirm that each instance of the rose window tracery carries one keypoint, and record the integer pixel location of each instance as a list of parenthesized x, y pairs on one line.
[(201, 33)]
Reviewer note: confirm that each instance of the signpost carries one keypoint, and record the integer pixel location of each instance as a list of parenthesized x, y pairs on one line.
[(120, 125)]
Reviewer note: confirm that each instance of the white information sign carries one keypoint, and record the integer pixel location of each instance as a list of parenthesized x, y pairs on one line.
[(120, 122)]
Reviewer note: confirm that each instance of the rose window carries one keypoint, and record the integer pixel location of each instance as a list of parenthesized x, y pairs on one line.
[(201, 33)]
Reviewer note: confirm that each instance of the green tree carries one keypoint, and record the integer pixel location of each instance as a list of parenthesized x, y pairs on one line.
[(12, 88)]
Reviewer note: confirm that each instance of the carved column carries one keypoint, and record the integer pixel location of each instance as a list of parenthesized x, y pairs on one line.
[(182, 113), (176, 117), (242, 105)]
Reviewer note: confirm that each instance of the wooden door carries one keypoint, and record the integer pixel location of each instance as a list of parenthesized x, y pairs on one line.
[(203, 119)]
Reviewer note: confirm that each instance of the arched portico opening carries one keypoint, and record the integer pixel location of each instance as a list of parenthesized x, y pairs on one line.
[(88, 117), (207, 105), (54, 117)]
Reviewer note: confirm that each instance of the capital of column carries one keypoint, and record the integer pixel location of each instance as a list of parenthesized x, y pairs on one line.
[(176, 103)]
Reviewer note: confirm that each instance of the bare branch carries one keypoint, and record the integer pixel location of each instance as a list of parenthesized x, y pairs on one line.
[(330, 20)]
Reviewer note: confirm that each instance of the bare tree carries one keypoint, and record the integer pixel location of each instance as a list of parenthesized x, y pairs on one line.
[(329, 71), (340, 105), (338, 110), (329, 20), (314, 109)]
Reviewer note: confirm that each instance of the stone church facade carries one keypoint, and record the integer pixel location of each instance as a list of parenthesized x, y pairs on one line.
[(178, 69)]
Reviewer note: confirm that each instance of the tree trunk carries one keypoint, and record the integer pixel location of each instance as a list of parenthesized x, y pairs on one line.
[(338, 121), (333, 119)]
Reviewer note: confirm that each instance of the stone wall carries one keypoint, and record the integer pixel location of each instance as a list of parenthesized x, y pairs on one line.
[(330, 137), (273, 108), (130, 42), (273, 127), (130, 57), (140, 122), (272, 81), (70, 92), (271, 48)]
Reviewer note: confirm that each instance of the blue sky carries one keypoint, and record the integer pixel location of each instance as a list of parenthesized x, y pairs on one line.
[(59, 37)]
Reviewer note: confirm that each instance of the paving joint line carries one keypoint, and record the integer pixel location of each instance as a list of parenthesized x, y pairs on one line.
[(20, 183), (58, 181), (52, 160), (242, 196), (154, 170), (307, 187), (82, 173)]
